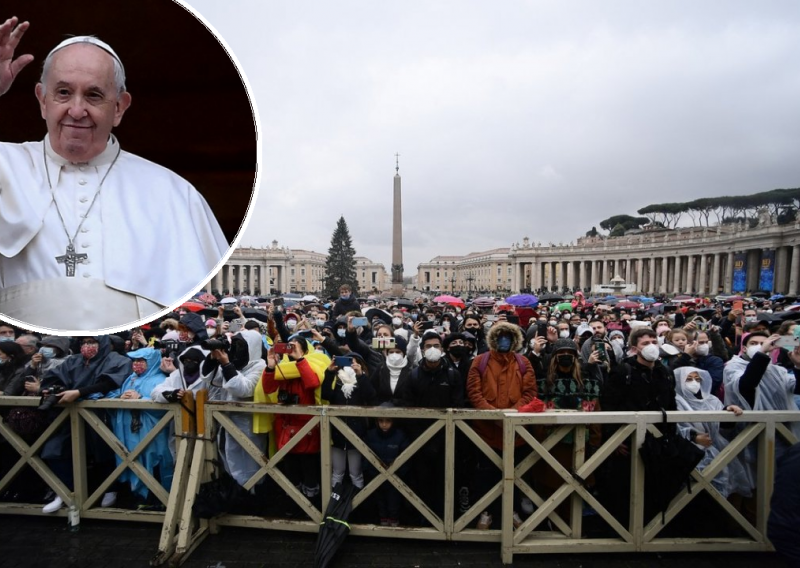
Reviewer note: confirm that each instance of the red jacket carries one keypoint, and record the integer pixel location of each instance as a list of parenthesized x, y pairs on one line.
[(287, 425)]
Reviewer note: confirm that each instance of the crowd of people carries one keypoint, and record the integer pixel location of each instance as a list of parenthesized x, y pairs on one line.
[(582, 355)]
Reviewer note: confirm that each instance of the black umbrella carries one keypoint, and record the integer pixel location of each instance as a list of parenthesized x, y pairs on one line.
[(759, 294), (551, 297), (405, 303), (385, 316), (252, 313), (334, 528), (784, 316)]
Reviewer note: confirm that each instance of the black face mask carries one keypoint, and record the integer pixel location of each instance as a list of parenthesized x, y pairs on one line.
[(459, 351), (565, 360), (473, 330), (191, 367)]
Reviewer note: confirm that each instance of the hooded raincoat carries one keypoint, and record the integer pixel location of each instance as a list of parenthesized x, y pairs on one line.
[(131, 426)]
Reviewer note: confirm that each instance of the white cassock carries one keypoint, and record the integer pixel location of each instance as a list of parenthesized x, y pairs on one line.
[(150, 238)]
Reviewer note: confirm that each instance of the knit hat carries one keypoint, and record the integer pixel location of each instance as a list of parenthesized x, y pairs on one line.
[(564, 344), (211, 323), (400, 343)]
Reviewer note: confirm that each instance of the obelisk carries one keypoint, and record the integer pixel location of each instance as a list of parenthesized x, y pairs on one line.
[(397, 234)]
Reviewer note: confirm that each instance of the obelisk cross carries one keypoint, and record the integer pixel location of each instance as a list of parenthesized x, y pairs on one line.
[(71, 258)]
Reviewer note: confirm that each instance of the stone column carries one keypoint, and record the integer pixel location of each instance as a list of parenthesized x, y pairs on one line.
[(701, 289), (582, 273), (781, 260), (570, 274), (676, 274), (728, 285), (715, 270), (640, 279), (690, 275), (664, 274), (629, 270), (794, 270)]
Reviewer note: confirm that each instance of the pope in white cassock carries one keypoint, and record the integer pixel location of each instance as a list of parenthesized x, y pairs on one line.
[(77, 213)]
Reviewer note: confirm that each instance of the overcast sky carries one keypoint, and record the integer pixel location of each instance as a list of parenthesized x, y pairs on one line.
[(512, 119)]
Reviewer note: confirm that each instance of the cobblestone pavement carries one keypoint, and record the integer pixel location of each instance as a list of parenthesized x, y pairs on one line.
[(36, 542)]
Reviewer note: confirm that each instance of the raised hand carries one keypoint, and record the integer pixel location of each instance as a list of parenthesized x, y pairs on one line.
[(10, 34)]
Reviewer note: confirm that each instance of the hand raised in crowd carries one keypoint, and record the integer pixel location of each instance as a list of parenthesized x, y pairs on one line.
[(10, 35), (167, 365), (317, 336), (735, 314), (594, 358), (33, 385), (297, 350), (417, 329), (225, 326), (36, 360), (794, 357), (221, 356), (238, 311), (691, 349), (539, 344), (357, 367), (691, 326), (272, 360), (769, 344), (552, 334)]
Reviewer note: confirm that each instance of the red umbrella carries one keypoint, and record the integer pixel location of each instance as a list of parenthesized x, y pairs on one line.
[(627, 305), (452, 300), (193, 306)]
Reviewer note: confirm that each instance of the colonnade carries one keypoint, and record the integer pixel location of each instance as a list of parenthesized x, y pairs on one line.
[(252, 277)]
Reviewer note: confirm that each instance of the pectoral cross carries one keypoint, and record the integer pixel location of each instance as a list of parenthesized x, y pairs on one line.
[(71, 258)]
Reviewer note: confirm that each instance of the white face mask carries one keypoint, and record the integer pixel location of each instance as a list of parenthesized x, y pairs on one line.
[(702, 350), (432, 355), (397, 322), (661, 339), (291, 324), (751, 319), (552, 323), (563, 334), (692, 386), (395, 359), (341, 332), (752, 350), (650, 352), (320, 322)]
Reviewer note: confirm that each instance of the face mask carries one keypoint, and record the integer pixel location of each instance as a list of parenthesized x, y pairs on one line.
[(291, 324), (692, 386), (139, 367), (563, 334), (47, 352), (661, 339), (89, 350), (413, 317), (341, 332), (650, 352), (5, 338), (446, 324), (473, 330), (459, 351), (397, 322), (395, 359), (565, 360), (3, 361), (191, 367), (504, 344), (345, 296), (702, 350), (752, 350), (750, 319), (552, 323), (430, 318), (320, 322), (432, 354), (671, 317)]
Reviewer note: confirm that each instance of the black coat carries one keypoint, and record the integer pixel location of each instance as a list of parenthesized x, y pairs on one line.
[(440, 387), (635, 387), (381, 382), (363, 395)]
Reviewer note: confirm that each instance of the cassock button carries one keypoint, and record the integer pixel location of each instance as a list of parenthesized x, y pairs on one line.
[(84, 199), (82, 182), (86, 275), (84, 230), (81, 168), (85, 245)]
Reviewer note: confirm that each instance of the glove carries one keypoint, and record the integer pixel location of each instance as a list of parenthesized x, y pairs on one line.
[(171, 396)]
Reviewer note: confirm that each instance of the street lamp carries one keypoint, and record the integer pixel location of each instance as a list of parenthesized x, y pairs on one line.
[(470, 278), (453, 284)]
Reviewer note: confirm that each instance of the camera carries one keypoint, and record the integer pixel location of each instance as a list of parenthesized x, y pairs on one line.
[(282, 348), (285, 397), (221, 342), (383, 343), (49, 398)]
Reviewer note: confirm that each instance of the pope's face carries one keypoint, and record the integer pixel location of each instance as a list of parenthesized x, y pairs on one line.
[(80, 102)]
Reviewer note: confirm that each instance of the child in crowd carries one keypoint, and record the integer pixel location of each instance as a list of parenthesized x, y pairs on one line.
[(388, 443)]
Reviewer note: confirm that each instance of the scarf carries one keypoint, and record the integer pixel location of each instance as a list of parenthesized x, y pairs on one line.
[(348, 377)]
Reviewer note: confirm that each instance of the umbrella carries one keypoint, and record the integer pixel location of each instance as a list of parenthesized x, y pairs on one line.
[(310, 298), (252, 313), (627, 305), (192, 306), (522, 300), (776, 297), (405, 303), (483, 302), (759, 294), (334, 528), (564, 307), (207, 298), (551, 297), (452, 300), (385, 316)]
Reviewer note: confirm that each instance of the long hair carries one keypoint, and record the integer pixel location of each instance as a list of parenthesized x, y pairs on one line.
[(552, 371)]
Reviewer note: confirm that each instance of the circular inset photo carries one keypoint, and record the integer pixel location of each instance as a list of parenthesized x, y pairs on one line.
[(128, 161)]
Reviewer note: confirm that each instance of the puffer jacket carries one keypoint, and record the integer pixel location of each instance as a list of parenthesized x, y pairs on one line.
[(502, 385)]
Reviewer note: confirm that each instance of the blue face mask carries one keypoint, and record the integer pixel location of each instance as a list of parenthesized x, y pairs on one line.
[(4, 338), (504, 344), (47, 352), (345, 296)]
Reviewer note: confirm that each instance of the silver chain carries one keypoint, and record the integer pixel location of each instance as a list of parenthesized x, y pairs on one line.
[(96, 193)]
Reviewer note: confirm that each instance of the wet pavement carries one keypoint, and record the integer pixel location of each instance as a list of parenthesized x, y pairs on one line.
[(38, 542)]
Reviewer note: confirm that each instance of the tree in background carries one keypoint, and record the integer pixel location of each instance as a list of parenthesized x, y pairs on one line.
[(618, 224), (340, 268)]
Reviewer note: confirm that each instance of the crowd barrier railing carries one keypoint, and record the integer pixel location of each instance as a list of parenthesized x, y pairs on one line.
[(557, 523)]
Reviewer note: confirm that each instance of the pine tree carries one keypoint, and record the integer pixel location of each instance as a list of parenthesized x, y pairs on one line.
[(340, 268)]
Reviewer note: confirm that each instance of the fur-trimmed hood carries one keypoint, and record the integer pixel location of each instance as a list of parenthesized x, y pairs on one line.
[(504, 327)]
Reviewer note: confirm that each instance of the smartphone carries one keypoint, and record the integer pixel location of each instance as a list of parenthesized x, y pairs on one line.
[(426, 325), (360, 322), (600, 346), (343, 361), (438, 329), (738, 305), (306, 333), (282, 348), (788, 342), (383, 343), (491, 318), (541, 329)]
